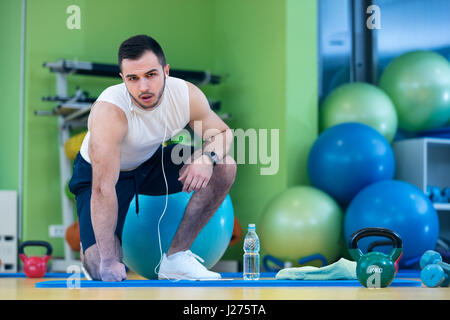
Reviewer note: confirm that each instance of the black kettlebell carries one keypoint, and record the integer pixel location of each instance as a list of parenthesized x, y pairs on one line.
[(376, 269)]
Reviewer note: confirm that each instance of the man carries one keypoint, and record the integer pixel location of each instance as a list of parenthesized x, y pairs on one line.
[(121, 157)]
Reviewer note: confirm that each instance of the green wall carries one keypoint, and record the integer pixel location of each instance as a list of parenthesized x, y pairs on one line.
[(301, 87), (266, 50), (103, 28), (10, 37)]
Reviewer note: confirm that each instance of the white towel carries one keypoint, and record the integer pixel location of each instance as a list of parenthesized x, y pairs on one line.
[(340, 270)]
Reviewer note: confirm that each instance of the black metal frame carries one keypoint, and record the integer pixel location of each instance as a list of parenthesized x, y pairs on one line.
[(363, 66)]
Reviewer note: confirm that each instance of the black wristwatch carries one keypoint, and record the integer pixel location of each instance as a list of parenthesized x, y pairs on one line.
[(213, 156)]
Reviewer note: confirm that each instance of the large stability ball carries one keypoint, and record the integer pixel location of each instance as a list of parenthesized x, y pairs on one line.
[(360, 102), (348, 157), (418, 83), (140, 243), (299, 222), (399, 206)]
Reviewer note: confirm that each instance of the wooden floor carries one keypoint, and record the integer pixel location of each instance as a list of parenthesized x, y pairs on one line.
[(23, 288)]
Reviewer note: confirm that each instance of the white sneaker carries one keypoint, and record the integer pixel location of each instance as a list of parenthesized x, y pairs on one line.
[(183, 265)]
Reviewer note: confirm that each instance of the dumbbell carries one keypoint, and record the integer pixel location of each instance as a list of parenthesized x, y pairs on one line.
[(435, 194), (434, 272), (446, 194)]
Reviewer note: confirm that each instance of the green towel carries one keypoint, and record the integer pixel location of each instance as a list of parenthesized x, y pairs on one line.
[(341, 270)]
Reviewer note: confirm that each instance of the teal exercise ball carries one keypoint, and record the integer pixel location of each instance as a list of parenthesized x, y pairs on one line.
[(140, 244), (362, 103), (418, 83), (299, 222)]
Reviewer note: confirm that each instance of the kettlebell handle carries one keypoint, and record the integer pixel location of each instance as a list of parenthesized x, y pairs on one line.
[(35, 244), (367, 232), (378, 244)]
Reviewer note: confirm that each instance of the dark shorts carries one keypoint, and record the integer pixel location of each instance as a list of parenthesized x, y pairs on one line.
[(147, 179)]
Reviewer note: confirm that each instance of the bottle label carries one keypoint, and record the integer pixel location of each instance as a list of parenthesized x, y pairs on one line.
[(250, 244)]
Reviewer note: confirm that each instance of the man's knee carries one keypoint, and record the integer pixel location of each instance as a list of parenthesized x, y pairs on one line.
[(226, 170)]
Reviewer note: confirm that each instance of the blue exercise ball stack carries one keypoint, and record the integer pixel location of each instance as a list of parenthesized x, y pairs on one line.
[(355, 164)]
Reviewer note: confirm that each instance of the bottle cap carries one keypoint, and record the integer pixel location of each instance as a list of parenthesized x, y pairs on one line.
[(251, 226)]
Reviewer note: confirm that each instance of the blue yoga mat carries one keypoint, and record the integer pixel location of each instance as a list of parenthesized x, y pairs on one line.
[(66, 275), (214, 283), (47, 275), (400, 274)]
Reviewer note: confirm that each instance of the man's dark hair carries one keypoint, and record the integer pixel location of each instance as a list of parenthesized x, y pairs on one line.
[(133, 48)]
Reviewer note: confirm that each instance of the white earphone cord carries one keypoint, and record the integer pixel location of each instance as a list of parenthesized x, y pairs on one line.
[(165, 180), (167, 198)]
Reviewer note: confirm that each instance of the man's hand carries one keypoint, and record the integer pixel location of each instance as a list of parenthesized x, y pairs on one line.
[(112, 271), (196, 175)]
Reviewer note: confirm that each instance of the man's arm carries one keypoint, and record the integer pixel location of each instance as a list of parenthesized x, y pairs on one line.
[(214, 131), (107, 126), (208, 125)]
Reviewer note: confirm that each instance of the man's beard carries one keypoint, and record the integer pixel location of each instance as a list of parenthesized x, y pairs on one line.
[(156, 102)]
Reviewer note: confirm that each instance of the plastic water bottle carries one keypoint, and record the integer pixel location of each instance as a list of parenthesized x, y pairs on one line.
[(251, 254)]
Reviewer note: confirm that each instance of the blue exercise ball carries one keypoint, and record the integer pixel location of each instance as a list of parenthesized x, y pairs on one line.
[(141, 251), (399, 206), (347, 157)]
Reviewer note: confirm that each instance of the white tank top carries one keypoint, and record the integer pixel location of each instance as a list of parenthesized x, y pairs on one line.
[(146, 128)]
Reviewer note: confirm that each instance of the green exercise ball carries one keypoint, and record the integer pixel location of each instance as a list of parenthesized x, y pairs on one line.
[(299, 222), (360, 102), (418, 83)]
